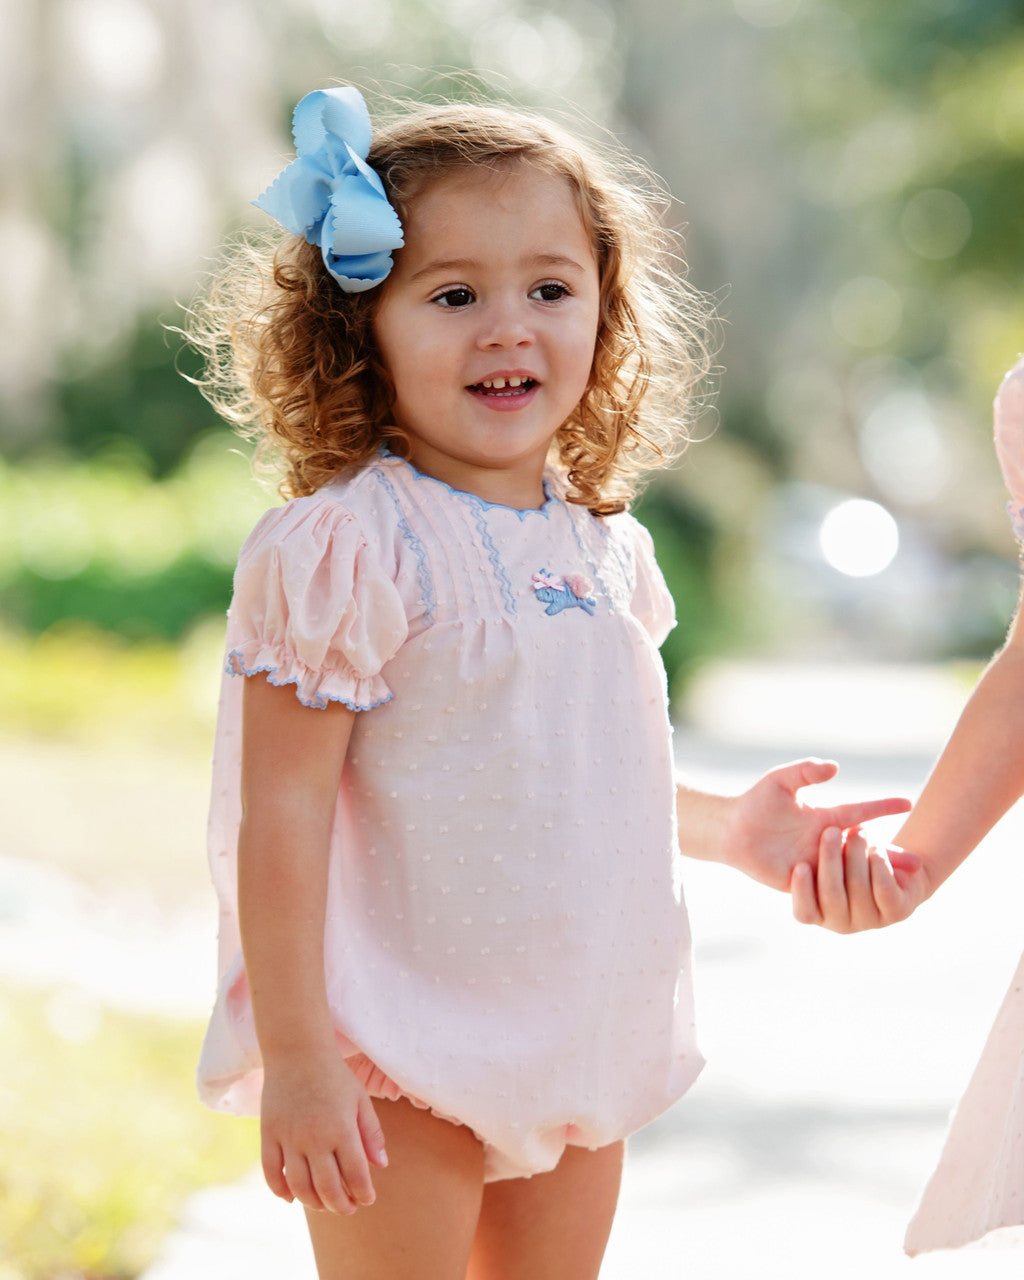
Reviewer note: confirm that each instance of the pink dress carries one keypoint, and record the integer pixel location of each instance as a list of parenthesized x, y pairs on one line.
[(506, 937), (978, 1184)]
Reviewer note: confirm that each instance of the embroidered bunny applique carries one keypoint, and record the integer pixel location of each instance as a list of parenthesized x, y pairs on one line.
[(568, 591)]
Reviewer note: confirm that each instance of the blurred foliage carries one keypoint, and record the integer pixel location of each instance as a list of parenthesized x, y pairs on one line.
[(134, 398), (684, 542), (907, 124), (101, 1136), (79, 684), (101, 542)]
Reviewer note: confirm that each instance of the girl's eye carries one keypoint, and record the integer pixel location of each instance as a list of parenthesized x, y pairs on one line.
[(553, 291), (454, 298)]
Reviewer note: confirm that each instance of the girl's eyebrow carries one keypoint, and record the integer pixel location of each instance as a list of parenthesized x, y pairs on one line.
[(549, 260)]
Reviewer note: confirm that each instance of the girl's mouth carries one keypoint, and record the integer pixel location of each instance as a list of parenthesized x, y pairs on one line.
[(503, 388)]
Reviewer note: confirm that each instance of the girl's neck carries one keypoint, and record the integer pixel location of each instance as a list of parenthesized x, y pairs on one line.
[(520, 487)]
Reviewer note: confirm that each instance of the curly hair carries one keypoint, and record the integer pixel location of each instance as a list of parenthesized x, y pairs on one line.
[(291, 359)]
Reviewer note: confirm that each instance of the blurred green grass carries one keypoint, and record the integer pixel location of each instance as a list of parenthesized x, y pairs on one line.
[(113, 587), (101, 1136)]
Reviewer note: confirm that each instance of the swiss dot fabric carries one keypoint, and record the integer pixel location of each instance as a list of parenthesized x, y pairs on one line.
[(506, 937)]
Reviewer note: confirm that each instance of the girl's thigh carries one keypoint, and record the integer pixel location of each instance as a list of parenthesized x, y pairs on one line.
[(428, 1202), (553, 1226)]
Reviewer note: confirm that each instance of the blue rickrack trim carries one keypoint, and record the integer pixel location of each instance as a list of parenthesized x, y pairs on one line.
[(1016, 514), (480, 515), (235, 666), (418, 550)]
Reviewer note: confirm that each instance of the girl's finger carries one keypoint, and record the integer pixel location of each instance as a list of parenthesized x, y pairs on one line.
[(371, 1133), (901, 859), (300, 1183), (355, 1171), (888, 895), (832, 900), (272, 1159), (803, 773), (805, 900), (330, 1187), (853, 814)]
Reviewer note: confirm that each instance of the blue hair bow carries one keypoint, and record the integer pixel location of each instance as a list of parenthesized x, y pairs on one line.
[(330, 195)]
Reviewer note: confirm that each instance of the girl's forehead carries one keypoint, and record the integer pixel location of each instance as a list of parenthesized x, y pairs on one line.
[(514, 201)]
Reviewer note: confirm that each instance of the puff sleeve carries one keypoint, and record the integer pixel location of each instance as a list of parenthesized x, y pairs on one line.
[(313, 607), (652, 602)]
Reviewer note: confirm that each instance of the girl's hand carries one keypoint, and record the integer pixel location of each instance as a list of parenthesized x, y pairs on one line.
[(319, 1134), (771, 831), (858, 886)]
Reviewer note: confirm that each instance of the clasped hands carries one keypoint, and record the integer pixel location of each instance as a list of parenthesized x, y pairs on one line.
[(836, 878)]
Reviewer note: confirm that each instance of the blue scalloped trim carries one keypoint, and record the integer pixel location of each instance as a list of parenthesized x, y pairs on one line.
[(1016, 514), (235, 667), (418, 550), (550, 499)]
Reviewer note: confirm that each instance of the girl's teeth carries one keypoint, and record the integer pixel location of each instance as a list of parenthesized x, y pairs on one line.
[(499, 384)]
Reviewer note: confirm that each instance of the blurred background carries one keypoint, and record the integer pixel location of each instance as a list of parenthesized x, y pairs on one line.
[(847, 179)]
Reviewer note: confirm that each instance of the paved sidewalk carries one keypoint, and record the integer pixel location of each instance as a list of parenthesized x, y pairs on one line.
[(833, 1062)]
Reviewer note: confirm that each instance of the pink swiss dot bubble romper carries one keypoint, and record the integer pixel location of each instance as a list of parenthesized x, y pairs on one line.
[(506, 938)]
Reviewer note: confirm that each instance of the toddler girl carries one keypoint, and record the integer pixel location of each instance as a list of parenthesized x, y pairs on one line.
[(979, 1182), (444, 827)]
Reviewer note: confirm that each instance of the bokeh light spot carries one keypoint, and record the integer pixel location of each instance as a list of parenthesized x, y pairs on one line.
[(859, 538), (936, 224)]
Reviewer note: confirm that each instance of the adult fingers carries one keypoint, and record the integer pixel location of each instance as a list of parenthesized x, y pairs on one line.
[(805, 900), (853, 814)]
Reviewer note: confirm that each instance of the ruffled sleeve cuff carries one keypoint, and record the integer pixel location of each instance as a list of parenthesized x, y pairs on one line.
[(313, 607), (312, 688)]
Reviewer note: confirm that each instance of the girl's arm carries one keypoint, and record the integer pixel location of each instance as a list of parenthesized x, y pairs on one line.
[(767, 831), (318, 1126), (979, 775)]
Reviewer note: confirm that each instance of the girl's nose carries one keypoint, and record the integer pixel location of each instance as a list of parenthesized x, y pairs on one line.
[(505, 324)]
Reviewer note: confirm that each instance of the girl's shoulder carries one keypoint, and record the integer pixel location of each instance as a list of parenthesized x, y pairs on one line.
[(629, 533), (346, 507)]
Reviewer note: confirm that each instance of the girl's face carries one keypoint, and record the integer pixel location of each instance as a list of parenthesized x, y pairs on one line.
[(487, 325)]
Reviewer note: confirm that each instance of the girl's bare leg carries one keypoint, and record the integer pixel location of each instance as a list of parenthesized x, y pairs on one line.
[(428, 1203), (553, 1226)]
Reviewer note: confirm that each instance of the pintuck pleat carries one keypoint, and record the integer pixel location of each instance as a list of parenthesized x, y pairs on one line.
[(506, 939)]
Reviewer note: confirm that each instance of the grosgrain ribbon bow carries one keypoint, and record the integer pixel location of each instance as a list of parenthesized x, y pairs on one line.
[(330, 195)]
